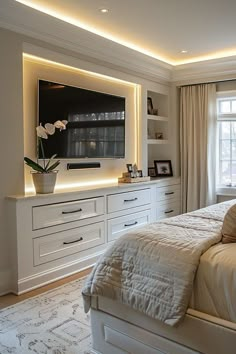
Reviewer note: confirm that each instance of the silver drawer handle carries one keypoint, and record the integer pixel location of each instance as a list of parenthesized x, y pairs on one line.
[(68, 243), (130, 200), (169, 211), (168, 193), (72, 211), (132, 224)]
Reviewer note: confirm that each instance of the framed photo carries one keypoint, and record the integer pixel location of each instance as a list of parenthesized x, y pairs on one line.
[(129, 167), (151, 171), (163, 168)]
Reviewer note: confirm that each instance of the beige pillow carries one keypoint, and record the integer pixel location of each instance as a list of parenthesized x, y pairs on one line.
[(229, 226)]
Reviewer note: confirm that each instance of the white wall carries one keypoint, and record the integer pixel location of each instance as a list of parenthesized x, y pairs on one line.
[(226, 85), (11, 137)]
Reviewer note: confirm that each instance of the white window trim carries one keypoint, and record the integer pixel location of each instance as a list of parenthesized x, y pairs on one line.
[(226, 191), (223, 189)]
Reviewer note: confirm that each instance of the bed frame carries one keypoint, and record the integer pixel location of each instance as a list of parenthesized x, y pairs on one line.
[(118, 329)]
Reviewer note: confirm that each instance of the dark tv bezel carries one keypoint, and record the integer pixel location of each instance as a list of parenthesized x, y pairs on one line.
[(87, 89)]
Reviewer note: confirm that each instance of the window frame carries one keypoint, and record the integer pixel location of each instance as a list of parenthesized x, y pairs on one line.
[(224, 117)]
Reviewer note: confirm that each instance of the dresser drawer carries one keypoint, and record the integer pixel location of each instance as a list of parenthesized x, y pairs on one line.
[(60, 213), (123, 201), (167, 209), (118, 226), (169, 192), (62, 244)]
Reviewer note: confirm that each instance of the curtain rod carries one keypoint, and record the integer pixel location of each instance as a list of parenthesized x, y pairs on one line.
[(210, 82)]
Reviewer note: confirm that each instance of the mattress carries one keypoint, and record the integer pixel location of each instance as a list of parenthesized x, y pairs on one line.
[(214, 289)]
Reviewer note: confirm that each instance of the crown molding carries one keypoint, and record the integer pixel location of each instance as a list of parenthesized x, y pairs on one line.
[(32, 23), (214, 70), (96, 49)]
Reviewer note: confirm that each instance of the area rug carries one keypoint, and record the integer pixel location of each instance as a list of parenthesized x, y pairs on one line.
[(50, 323)]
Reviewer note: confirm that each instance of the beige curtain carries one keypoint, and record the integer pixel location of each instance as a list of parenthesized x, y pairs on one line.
[(198, 145)]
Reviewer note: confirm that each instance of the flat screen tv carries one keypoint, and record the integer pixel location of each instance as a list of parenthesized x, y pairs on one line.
[(96, 121)]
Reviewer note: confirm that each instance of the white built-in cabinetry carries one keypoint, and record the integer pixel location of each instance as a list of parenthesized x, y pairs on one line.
[(55, 235), (156, 125)]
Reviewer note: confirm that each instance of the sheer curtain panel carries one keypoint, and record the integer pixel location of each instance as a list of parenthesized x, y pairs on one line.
[(198, 145)]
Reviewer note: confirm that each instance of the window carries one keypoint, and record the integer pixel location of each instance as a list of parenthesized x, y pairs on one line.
[(226, 152)]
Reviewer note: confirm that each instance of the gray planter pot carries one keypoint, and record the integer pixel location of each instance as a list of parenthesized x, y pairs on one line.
[(44, 182)]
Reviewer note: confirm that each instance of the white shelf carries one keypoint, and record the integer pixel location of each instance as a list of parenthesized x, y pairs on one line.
[(158, 118), (158, 141)]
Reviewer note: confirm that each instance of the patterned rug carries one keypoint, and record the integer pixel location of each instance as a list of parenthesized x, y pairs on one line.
[(50, 323)]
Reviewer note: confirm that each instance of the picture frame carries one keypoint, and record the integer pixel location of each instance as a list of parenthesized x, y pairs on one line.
[(129, 167), (163, 168), (151, 171)]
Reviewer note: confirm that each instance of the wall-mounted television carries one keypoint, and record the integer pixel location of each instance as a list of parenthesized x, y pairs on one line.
[(96, 121)]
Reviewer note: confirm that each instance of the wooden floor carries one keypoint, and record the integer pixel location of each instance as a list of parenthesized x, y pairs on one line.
[(12, 299)]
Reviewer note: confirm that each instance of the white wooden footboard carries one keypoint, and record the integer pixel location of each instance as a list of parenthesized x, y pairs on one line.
[(114, 336), (117, 329)]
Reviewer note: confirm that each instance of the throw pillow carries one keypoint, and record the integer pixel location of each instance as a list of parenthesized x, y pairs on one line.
[(229, 226)]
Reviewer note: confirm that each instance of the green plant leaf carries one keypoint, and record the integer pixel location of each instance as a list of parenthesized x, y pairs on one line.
[(51, 158), (34, 165), (53, 166)]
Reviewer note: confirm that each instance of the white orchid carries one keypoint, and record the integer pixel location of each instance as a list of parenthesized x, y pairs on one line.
[(43, 133), (61, 124), (50, 128)]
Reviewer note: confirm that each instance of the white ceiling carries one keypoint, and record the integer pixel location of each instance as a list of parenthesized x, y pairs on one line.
[(159, 28)]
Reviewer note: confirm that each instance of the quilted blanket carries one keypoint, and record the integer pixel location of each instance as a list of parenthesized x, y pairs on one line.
[(152, 269)]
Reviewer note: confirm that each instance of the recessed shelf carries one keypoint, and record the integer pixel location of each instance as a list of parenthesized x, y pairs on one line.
[(157, 125), (158, 141), (158, 118)]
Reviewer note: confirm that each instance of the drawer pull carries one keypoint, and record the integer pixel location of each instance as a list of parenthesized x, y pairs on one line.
[(72, 211), (130, 200), (68, 243), (169, 211), (168, 193), (131, 224)]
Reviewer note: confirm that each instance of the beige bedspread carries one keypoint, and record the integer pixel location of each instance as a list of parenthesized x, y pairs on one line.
[(152, 269), (214, 290)]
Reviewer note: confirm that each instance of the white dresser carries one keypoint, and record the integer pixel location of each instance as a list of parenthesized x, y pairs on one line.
[(167, 201), (56, 235)]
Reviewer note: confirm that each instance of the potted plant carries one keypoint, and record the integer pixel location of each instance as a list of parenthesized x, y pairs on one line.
[(44, 175)]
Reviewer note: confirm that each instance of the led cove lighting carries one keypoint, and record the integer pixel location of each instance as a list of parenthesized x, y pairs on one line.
[(107, 35), (86, 72), (92, 29), (78, 185)]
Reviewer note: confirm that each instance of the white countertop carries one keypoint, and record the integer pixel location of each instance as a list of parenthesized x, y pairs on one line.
[(100, 187)]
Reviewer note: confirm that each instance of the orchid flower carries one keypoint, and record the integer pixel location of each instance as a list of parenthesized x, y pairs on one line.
[(50, 128), (61, 124), (43, 133)]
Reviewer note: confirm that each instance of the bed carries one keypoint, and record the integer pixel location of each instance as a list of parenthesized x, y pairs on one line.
[(183, 302)]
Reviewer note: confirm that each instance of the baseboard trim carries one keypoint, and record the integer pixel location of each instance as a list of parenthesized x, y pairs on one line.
[(40, 279)]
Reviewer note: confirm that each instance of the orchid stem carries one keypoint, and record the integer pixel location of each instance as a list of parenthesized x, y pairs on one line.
[(37, 150), (42, 149)]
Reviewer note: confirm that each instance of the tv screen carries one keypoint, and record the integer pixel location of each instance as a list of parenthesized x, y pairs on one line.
[(96, 122)]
